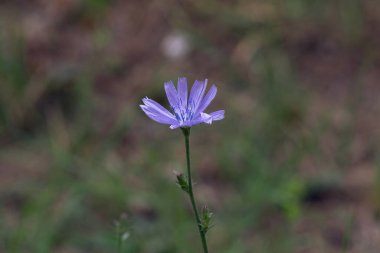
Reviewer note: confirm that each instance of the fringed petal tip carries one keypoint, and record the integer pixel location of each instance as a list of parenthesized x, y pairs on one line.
[(156, 112)]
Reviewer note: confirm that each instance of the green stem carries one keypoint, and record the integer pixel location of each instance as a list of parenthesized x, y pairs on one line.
[(186, 133), (118, 238)]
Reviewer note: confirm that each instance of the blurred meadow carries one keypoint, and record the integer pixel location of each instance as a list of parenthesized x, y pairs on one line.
[(294, 166)]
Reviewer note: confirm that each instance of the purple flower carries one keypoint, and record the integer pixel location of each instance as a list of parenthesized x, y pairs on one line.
[(186, 111)]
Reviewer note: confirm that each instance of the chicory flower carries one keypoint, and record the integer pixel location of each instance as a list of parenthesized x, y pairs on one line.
[(186, 111)]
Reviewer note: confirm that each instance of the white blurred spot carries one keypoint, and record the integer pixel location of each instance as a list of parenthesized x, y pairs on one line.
[(175, 46), (125, 236)]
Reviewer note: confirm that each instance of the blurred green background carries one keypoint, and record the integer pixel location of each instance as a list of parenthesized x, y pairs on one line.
[(293, 167)]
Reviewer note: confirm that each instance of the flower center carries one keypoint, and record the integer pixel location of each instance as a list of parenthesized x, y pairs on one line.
[(184, 112)]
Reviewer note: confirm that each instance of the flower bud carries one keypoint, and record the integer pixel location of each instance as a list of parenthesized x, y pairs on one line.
[(182, 181), (206, 219)]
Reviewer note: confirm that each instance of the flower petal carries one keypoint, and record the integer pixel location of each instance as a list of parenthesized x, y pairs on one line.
[(197, 120), (182, 91), (157, 112), (160, 118), (196, 95), (218, 115), (171, 94), (193, 122), (175, 126), (156, 106), (207, 99), (207, 118)]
